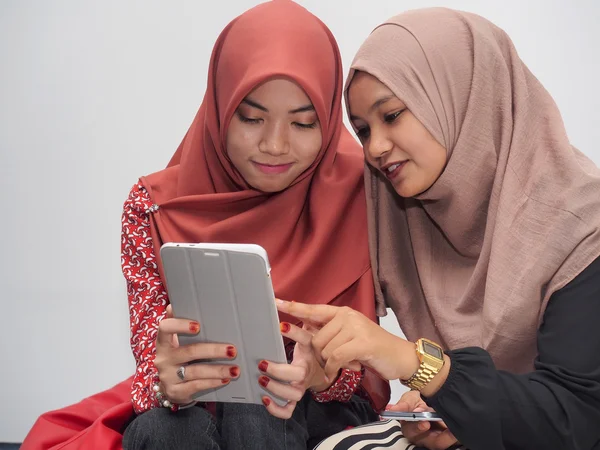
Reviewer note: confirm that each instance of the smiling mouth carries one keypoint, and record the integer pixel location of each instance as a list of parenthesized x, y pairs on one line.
[(393, 170), (272, 169)]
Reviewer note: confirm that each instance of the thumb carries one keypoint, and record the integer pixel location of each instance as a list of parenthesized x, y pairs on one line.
[(401, 406), (309, 327), (354, 365), (408, 402), (174, 338)]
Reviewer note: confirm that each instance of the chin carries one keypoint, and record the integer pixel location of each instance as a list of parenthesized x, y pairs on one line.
[(403, 194), (405, 191), (270, 188)]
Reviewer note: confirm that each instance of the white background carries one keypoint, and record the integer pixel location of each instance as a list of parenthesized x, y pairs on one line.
[(95, 94)]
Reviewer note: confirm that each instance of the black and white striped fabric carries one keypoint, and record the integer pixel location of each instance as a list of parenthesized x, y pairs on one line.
[(380, 435), (384, 435)]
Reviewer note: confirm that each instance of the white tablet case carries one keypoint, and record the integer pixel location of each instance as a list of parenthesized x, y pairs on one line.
[(227, 289)]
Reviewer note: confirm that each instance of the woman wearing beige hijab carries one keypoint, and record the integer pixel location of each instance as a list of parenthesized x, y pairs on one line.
[(485, 239)]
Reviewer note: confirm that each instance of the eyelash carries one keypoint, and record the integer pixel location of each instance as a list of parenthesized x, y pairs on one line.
[(301, 126), (363, 133), (306, 126), (247, 119), (390, 118)]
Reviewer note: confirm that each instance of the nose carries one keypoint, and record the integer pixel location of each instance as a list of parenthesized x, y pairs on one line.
[(379, 144), (275, 140)]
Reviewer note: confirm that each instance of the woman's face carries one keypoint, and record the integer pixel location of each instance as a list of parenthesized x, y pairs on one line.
[(274, 135), (394, 141)]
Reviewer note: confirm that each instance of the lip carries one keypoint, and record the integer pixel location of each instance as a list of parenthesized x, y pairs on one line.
[(393, 174), (272, 169)]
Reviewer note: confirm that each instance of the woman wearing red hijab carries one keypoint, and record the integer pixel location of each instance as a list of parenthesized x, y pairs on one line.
[(267, 160)]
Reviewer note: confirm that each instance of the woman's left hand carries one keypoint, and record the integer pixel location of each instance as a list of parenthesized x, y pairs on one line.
[(303, 373), (347, 337)]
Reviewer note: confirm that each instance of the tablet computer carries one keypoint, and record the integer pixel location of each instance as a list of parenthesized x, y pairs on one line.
[(227, 289)]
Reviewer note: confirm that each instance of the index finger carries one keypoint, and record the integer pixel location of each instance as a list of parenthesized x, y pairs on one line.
[(317, 314), (295, 333), (169, 326)]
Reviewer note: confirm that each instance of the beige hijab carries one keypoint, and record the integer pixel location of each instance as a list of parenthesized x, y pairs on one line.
[(514, 216)]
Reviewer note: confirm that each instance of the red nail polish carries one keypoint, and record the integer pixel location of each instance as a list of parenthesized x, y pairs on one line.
[(194, 327), (285, 327), (266, 401), (263, 381), (231, 352), (234, 371), (262, 366), (225, 381)]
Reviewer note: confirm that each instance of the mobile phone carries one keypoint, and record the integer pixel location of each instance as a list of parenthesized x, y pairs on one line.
[(411, 416)]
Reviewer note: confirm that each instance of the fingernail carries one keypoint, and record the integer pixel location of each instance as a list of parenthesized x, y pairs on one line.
[(422, 426), (285, 327), (194, 327), (225, 380), (262, 366), (266, 401), (231, 352), (263, 381), (234, 371), (280, 302)]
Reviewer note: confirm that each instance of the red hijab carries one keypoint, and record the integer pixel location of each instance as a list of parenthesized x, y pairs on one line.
[(315, 231)]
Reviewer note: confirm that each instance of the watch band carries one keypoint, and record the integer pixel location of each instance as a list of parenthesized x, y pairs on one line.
[(421, 378)]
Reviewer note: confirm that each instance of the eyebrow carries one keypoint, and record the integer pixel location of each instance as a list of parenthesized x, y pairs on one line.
[(302, 109), (252, 103), (249, 102), (381, 101), (376, 105)]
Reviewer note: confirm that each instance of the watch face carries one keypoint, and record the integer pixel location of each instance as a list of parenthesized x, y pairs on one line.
[(432, 350)]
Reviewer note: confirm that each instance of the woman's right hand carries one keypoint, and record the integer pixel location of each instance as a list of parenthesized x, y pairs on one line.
[(430, 435), (170, 356)]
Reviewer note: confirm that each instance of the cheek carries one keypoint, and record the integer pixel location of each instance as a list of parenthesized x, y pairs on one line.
[(240, 141), (439, 160), (308, 147), (433, 159), (368, 156)]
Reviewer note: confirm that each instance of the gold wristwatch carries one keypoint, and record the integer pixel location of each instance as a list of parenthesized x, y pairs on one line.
[(431, 358)]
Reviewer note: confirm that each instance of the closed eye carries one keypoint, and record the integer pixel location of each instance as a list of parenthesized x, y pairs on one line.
[(248, 119), (306, 126)]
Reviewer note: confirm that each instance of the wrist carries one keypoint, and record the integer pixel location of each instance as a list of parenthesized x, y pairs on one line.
[(408, 361), (321, 384), (342, 389), (438, 381)]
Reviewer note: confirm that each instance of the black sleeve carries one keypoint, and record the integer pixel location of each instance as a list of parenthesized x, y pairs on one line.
[(557, 406)]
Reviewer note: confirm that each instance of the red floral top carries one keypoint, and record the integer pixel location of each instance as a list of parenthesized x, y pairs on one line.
[(148, 301)]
